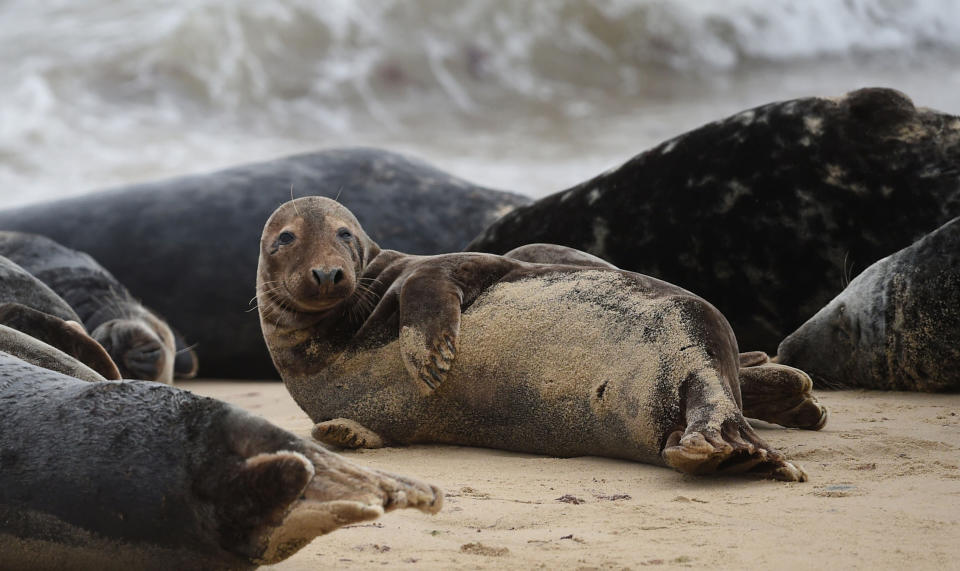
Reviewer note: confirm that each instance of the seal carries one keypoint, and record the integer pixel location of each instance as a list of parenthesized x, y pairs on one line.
[(763, 213), (770, 392), (140, 343), (380, 347), (895, 327), (183, 245), (141, 475), (28, 305)]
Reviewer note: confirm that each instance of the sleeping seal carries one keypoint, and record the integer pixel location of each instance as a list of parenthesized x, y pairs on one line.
[(895, 327), (141, 475), (141, 344), (762, 213), (29, 306), (380, 347)]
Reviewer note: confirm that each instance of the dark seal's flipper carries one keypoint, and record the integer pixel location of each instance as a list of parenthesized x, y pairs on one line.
[(176, 481), (36, 352), (67, 336)]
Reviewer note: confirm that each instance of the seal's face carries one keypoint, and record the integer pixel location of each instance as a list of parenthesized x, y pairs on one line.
[(141, 345), (311, 254)]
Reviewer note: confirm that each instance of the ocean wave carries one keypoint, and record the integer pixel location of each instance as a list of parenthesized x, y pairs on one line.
[(136, 83)]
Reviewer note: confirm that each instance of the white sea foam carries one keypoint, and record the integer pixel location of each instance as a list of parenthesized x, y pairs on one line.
[(105, 91)]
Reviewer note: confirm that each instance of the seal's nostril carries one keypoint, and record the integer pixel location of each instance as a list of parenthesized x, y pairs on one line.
[(337, 275)]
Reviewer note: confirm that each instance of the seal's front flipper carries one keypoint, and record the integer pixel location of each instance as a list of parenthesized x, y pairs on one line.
[(67, 336), (429, 325), (324, 492), (345, 433), (782, 395)]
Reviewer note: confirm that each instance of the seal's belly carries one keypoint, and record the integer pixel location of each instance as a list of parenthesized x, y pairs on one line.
[(573, 364)]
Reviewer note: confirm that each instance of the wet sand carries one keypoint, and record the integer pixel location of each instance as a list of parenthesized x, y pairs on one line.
[(884, 493)]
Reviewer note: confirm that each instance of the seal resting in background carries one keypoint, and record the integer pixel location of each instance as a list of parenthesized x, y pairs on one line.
[(141, 475), (141, 343), (762, 213), (381, 347), (183, 245), (895, 327), (29, 306)]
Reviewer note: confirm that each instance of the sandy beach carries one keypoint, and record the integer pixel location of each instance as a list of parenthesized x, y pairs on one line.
[(884, 493)]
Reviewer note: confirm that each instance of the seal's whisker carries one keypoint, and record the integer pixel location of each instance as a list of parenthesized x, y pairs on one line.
[(294, 202)]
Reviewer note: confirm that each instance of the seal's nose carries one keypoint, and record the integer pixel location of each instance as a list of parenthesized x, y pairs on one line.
[(327, 276)]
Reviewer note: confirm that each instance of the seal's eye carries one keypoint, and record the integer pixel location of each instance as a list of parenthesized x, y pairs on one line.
[(285, 238), (344, 234)]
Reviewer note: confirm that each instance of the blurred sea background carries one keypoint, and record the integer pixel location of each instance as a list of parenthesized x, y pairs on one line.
[(531, 96)]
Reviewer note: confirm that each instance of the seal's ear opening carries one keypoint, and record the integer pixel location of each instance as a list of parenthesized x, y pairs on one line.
[(185, 363)]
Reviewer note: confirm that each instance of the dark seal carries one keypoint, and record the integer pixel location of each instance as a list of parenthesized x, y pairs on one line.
[(765, 212), (140, 342), (140, 475), (381, 347), (183, 245), (895, 327)]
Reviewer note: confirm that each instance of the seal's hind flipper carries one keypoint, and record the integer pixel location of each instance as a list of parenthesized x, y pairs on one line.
[(67, 336), (782, 395)]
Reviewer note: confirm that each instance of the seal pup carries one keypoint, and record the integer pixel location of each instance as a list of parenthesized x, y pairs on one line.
[(762, 213), (141, 344), (379, 347), (895, 327), (770, 392), (191, 235), (28, 305), (141, 475)]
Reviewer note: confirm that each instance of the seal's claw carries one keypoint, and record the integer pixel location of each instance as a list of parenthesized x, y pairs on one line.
[(732, 449), (428, 357), (345, 433)]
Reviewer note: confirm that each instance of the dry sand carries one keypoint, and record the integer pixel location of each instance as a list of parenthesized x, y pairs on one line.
[(884, 493)]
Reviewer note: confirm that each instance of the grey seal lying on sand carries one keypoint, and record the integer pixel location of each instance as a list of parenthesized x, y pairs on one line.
[(141, 475), (475, 349), (895, 327)]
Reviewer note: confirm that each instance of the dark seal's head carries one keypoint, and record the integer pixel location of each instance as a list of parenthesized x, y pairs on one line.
[(141, 344), (312, 253)]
